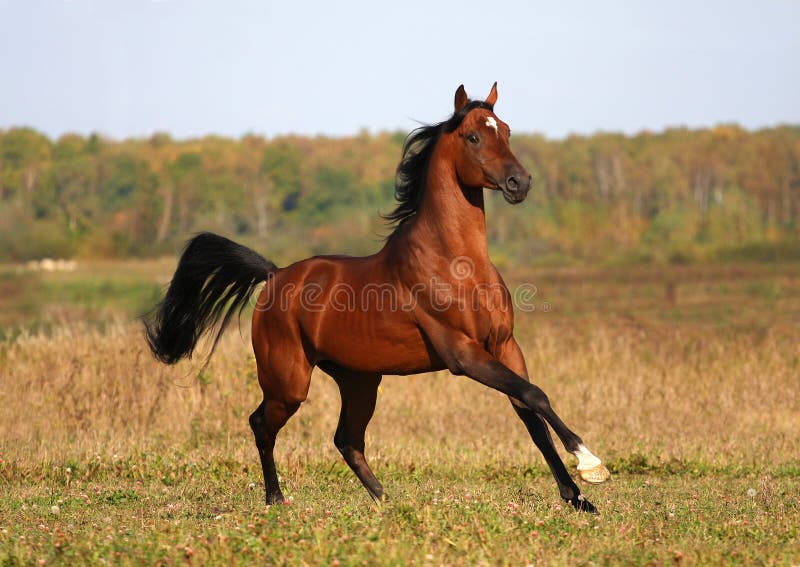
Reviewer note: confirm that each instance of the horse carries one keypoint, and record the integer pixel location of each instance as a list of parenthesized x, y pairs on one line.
[(429, 300)]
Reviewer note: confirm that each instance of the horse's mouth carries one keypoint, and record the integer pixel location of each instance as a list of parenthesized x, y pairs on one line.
[(514, 197)]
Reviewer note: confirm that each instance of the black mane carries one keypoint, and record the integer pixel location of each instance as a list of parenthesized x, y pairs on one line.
[(409, 184)]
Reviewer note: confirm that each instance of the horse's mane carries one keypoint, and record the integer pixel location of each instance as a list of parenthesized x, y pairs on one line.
[(409, 184)]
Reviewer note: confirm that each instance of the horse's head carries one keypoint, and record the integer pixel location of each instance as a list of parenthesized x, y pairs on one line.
[(483, 156)]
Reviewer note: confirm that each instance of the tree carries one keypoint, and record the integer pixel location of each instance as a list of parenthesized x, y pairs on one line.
[(280, 167), (24, 154)]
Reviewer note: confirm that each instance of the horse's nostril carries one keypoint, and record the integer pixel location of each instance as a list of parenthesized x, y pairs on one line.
[(512, 183)]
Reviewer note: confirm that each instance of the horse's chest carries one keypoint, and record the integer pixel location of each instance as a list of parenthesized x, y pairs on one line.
[(483, 310)]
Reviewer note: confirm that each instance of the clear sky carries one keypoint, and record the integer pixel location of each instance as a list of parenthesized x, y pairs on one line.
[(190, 67)]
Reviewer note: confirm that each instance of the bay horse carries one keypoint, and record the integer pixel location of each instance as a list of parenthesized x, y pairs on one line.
[(429, 300)]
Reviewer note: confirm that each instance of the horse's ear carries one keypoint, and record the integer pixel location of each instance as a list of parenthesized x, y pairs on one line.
[(461, 98), (492, 98)]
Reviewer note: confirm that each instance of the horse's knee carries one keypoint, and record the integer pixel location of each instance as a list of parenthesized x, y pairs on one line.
[(351, 453), (346, 444), (271, 416), (347, 441), (535, 399), (257, 419), (341, 444), (340, 439)]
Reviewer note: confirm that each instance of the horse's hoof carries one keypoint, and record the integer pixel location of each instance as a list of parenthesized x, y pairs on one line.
[(379, 501), (278, 498), (595, 475), (582, 505)]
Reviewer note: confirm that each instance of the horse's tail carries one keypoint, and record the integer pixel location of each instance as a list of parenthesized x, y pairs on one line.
[(214, 279)]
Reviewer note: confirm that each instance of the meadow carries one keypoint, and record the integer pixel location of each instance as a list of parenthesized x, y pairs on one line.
[(682, 378)]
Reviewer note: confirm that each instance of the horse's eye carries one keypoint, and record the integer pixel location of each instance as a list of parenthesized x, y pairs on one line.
[(473, 138)]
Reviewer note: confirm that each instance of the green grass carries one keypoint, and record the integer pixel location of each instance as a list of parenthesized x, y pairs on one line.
[(149, 509), (94, 294)]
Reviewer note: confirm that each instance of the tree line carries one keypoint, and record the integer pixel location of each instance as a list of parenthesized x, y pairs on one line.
[(677, 195)]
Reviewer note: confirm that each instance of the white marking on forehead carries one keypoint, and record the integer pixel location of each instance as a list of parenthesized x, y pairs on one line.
[(492, 123)]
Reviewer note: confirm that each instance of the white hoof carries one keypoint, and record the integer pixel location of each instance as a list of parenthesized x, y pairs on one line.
[(590, 467), (595, 475)]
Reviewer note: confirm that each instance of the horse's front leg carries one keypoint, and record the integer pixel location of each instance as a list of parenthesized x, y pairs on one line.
[(470, 358), (512, 357)]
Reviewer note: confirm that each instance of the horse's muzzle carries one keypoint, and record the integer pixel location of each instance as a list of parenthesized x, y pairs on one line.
[(515, 187)]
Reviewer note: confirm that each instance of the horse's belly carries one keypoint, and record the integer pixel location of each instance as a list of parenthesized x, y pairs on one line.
[(374, 347)]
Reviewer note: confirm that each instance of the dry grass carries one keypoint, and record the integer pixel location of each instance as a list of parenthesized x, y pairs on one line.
[(669, 397)]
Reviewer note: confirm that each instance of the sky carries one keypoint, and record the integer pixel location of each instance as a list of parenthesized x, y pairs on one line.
[(128, 68)]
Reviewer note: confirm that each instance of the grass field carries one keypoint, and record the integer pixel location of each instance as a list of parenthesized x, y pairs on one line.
[(683, 379)]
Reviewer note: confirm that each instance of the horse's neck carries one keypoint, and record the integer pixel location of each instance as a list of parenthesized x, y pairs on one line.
[(451, 219)]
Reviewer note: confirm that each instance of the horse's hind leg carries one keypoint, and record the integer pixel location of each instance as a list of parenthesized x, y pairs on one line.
[(266, 421), (283, 395), (359, 393)]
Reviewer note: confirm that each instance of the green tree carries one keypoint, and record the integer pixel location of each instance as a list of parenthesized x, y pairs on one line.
[(186, 174), (280, 166), (24, 154)]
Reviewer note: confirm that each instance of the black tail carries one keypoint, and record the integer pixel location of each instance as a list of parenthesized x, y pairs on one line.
[(214, 279)]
